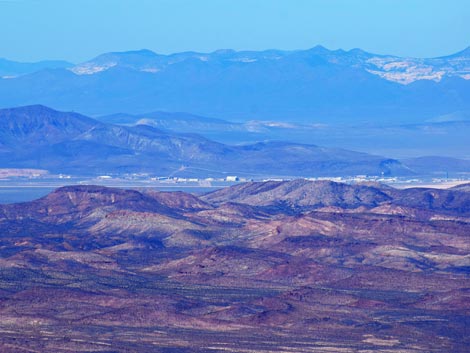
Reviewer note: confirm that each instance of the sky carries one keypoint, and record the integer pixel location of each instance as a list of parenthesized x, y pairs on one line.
[(78, 30)]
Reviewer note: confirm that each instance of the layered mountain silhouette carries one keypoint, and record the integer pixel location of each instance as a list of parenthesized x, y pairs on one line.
[(295, 266), (443, 136), (318, 85), (40, 137), (11, 69)]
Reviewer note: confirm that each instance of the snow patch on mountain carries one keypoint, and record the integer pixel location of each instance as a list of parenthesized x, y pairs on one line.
[(91, 68)]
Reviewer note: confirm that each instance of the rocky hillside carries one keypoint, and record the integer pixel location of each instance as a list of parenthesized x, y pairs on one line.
[(295, 266)]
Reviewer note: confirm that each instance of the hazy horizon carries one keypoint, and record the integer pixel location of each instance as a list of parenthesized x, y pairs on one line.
[(77, 31), (231, 49)]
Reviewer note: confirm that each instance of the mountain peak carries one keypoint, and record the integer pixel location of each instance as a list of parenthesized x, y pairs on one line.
[(224, 52), (29, 108), (38, 124), (465, 52), (319, 49), (30, 111), (359, 52), (143, 52)]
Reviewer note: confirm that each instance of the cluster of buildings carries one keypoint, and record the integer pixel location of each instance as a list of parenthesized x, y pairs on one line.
[(146, 179)]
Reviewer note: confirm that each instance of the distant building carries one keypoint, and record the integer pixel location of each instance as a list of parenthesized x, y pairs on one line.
[(231, 178)]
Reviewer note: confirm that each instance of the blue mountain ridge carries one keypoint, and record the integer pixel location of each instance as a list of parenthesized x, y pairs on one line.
[(40, 137), (317, 85)]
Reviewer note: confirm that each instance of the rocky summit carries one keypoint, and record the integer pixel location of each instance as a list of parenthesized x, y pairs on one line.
[(292, 266)]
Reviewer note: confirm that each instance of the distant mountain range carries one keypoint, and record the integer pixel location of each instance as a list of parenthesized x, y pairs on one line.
[(11, 69), (42, 138), (39, 137), (445, 136), (309, 86), (392, 68)]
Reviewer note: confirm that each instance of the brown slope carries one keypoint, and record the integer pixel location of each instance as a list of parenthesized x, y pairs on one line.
[(167, 272), (301, 194)]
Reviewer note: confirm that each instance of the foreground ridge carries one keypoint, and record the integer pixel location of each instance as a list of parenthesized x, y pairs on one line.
[(286, 266)]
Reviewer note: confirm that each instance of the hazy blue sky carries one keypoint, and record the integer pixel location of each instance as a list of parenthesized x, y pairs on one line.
[(77, 30)]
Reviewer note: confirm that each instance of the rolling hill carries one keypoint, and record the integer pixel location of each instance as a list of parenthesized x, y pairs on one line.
[(42, 138)]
